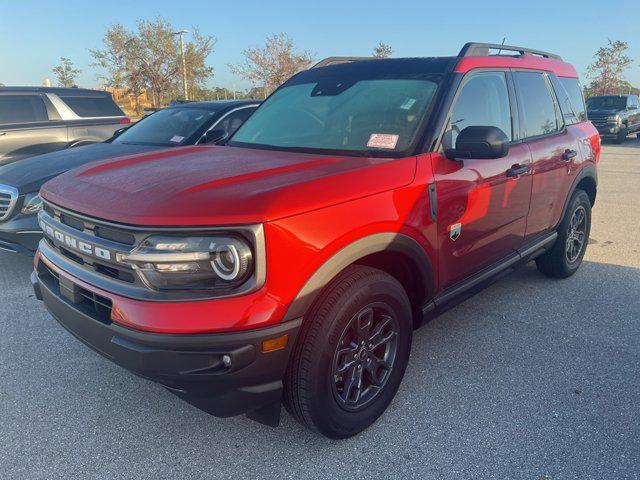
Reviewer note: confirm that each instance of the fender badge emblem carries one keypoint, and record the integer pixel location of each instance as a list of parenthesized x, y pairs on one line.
[(454, 231)]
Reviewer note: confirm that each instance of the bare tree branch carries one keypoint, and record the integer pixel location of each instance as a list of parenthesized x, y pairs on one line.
[(272, 65)]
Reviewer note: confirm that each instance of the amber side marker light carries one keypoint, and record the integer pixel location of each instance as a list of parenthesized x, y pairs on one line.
[(275, 344)]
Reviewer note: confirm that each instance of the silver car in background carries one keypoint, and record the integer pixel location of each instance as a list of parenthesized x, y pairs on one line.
[(37, 120)]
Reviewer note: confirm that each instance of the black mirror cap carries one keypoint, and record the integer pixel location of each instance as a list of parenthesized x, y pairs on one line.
[(215, 136), (483, 142)]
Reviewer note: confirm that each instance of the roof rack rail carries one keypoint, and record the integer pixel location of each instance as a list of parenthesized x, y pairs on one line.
[(474, 49), (336, 60)]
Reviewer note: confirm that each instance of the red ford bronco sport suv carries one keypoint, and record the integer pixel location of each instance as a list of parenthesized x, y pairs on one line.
[(291, 265)]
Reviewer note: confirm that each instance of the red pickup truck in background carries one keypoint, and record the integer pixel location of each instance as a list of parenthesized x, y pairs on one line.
[(292, 265)]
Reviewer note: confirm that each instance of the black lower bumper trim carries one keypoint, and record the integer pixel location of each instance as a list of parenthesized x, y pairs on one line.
[(20, 234), (223, 374), (15, 247)]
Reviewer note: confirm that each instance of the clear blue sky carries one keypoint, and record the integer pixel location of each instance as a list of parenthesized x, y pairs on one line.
[(33, 35)]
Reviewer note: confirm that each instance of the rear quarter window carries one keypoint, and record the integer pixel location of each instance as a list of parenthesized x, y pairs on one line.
[(99, 106), (572, 105)]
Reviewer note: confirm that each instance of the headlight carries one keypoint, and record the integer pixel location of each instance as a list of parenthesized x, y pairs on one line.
[(32, 203), (168, 263)]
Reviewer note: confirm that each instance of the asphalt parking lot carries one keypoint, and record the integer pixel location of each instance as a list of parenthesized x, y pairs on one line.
[(532, 379)]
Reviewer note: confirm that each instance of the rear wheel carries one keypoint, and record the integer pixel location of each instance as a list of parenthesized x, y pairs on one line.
[(351, 355), (566, 255)]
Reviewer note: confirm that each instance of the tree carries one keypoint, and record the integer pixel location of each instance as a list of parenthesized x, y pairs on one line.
[(382, 50), (608, 68), (624, 87), (195, 54), (272, 65), (117, 58), (149, 59), (66, 73)]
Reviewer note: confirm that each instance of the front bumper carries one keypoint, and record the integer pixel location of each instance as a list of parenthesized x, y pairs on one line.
[(608, 130), (191, 366), (20, 234)]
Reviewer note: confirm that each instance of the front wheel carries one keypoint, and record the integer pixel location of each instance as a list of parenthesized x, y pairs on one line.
[(564, 258), (351, 354), (621, 137)]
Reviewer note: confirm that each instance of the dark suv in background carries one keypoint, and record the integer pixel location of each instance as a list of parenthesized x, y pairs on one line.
[(37, 120), (615, 116)]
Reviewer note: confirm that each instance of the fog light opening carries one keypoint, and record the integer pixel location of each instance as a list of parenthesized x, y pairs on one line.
[(226, 360)]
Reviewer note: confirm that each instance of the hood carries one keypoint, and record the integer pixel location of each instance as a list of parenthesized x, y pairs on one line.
[(30, 174), (214, 185)]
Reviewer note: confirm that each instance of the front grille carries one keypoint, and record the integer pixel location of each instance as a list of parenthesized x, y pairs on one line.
[(94, 305), (599, 119), (8, 199), (96, 233), (101, 231)]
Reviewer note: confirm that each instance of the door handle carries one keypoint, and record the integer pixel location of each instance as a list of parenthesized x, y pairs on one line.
[(517, 170), (569, 154)]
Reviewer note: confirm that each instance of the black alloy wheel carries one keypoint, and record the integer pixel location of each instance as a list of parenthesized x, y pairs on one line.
[(365, 356)]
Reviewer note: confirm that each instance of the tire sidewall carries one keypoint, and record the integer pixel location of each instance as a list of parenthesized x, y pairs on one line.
[(329, 416)]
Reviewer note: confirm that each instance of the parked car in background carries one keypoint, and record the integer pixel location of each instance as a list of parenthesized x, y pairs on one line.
[(615, 116), (292, 264), (37, 120), (183, 124)]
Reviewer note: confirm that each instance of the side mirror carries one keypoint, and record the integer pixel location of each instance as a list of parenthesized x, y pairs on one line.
[(215, 136), (479, 142)]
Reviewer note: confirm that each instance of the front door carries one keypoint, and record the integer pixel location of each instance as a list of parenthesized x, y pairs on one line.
[(482, 207), (633, 104)]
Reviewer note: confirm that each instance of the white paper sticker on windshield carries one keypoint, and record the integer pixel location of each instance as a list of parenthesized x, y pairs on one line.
[(383, 140), (176, 139), (408, 103)]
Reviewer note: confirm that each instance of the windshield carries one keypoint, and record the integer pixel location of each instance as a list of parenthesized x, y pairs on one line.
[(370, 116), (607, 103), (170, 127)]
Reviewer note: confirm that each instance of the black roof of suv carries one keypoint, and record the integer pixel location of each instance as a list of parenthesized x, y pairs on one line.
[(74, 91)]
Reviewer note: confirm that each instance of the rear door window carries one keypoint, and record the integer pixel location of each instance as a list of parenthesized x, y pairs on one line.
[(87, 106), (536, 104), (22, 109)]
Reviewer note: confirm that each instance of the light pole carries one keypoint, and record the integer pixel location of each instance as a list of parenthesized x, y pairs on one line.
[(184, 63)]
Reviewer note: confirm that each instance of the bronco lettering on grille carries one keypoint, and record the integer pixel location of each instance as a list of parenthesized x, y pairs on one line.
[(74, 243)]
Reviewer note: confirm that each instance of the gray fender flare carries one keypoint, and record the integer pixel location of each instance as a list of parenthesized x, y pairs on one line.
[(376, 243), (589, 171)]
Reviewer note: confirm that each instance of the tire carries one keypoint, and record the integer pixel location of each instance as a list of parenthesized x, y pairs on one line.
[(563, 259), (621, 137), (316, 392)]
